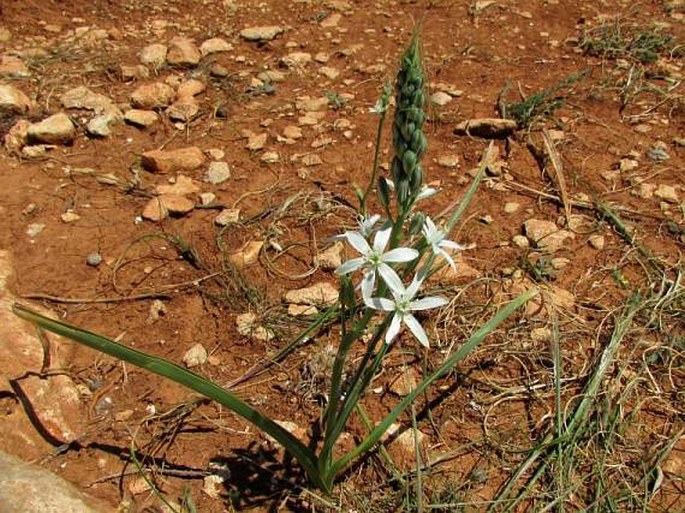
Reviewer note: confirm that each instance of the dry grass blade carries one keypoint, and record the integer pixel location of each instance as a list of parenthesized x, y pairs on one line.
[(558, 176)]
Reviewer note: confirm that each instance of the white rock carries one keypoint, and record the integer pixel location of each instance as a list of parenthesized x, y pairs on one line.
[(510, 207), (667, 193), (256, 142), (248, 326), (596, 241), (265, 33), (227, 216), (183, 52), (196, 355), (215, 45), (440, 98), (101, 126), (83, 98), (13, 100), (217, 173), (141, 118), (296, 59), (320, 294), (449, 161), (152, 96), (546, 235), (154, 54), (56, 129)]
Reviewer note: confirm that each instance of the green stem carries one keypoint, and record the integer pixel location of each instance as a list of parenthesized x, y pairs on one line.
[(376, 164), (473, 341)]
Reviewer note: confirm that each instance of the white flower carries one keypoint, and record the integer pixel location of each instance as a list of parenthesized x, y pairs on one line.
[(375, 259), (367, 224), (403, 305), (438, 243)]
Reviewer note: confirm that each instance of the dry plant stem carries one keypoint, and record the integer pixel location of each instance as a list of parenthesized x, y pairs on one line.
[(574, 424), (558, 175)]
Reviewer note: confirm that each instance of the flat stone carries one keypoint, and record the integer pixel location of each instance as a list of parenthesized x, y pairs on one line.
[(271, 75), (227, 217), (183, 52), (296, 59), (27, 488), (312, 104), (141, 118), (331, 259), (54, 401), (154, 210), (217, 172), (448, 161), (13, 100), (154, 55), (402, 446), (101, 126), (521, 241), (184, 109), (14, 67), (215, 45), (69, 216), (195, 356), (191, 87), (302, 310), (440, 98), (596, 241), (256, 142), (248, 255), (320, 294), (169, 161), (546, 235), (265, 33), (510, 207), (270, 157), (184, 186), (248, 326), (667, 193), (176, 204), (83, 98), (56, 129), (487, 128), (137, 72), (292, 132), (152, 96), (329, 72)]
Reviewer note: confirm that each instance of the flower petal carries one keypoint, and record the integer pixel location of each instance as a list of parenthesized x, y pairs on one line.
[(350, 266), (379, 303), (450, 244), (400, 255), (368, 283), (391, 279), (393, 330), (380, 241), (426, 192), (414, 286), (427, 303), (416, 329), (358, 242)]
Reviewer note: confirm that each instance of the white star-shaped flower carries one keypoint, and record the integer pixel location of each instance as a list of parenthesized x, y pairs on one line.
[(402, 305), (374, 259), (436, 238)]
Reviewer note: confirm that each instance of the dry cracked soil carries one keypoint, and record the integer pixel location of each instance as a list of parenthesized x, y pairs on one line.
[(171, 170)]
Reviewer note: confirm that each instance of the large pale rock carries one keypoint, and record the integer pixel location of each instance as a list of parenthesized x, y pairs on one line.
[(266, 33), (546, 235), (170, 161), (27, 488), (320, 294), (154, 55), (101, 126), (182, 187), (141, 118), (152, 96), (56, 129), (248, 254), (83, 98), (53, 402), (487, 128), (191, 87), (13, 100), (167, 204), (11, 66), (183, 52), (215, 45), (184, 109)]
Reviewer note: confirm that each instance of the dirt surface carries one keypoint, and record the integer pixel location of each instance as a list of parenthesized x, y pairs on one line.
[(607, 135)]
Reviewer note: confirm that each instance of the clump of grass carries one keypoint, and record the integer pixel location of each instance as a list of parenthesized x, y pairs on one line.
[(614, 41), (540, 105)]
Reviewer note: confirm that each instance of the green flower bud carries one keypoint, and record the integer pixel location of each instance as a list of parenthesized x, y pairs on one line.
[(383, 192), (416, 224), (408, 162)]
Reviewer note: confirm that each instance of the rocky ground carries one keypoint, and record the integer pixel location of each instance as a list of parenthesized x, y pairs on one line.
[(171, 173)]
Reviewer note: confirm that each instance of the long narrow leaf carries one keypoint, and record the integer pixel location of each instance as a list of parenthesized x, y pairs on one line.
[(176, 373), (461, 353)]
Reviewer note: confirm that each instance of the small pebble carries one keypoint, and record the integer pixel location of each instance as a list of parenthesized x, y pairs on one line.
[(94, 259)]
